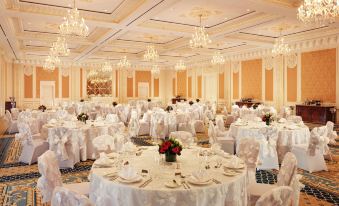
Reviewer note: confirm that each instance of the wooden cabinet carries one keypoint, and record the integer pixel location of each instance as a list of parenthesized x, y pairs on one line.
[(177, 99), (9, 105), (316, 114), (248, 104)]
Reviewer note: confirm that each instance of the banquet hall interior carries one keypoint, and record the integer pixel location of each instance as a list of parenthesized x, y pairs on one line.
[(169, 102)]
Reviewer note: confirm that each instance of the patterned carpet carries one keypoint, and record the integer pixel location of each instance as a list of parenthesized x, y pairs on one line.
[(18, 180)]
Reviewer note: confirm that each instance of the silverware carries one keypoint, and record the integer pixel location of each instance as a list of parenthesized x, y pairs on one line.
[(184, 185), (216, 181), (145, 183)]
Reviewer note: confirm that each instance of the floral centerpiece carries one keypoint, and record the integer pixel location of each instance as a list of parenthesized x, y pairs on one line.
[(169, 108), (268, 118), (114, 104), (197, 100), (191, 103), (42, 108), (149, 100), (171, 148), (83, 117)]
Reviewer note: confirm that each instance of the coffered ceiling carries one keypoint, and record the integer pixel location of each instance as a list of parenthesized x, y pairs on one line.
[(126, 27)]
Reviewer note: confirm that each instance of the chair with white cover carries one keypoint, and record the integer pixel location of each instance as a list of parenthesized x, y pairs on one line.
[(133, 125), (294, 119), (32, 147), (248, 150), (145, 124), (331, 134), (63, 196), (186, 124), (15, 113), (286, 177), (51, 178), (220, 126), (13, 127), (103, 143), (226, 143), (268, 156), (199, 126), (310, 157), (280, 196), (112, 118), (235, 110), (184, 137), (65, 145)]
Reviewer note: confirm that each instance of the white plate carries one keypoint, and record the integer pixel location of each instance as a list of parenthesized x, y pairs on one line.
[(138, 178), (171, 184), (194, 182), (230, 174), (240, 166)]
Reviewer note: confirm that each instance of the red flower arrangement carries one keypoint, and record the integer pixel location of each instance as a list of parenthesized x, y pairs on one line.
[(268, 117), (171, 146)]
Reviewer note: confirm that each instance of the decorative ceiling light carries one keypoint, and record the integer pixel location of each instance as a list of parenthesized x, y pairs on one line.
[(200, 38), (107, 67), (155, 71), (124, 63), (74, 24), (280, 47), (151, 54), (180, 66), (51, 62), (217, 58), (60, 47), (318, 11)]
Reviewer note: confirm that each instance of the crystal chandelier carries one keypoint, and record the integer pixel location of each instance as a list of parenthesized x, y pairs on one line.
[(124, 63), (107, 67), (180, 66), (200, 38), (155, 71), (151, 54), (60, 47), (74, 24), (280, 47), (51, 62), (217, 58), (318, 11)]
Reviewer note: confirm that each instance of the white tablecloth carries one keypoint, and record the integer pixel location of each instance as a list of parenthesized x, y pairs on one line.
[(289, 134), (231, 191)]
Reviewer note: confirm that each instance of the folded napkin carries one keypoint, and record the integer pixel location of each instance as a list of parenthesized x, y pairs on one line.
[(128, 172), (103, 160), (282, 120), (52, 121), (199, 176), (129, 147)]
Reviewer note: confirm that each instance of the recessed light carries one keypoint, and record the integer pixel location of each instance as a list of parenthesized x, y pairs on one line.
[(248, 10), (105, 10)]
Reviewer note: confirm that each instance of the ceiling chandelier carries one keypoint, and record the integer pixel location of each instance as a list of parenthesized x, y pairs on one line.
[(180, 66), (107, 67), (60, 47), (280, 47), (318, 11), (217, 58), (51, 62), (200, 38), (155, 71), (124, 63), (74, 24), (151, 54)]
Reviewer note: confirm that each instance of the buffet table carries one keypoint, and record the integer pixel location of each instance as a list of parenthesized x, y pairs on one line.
[(106, 188), (316, 114)]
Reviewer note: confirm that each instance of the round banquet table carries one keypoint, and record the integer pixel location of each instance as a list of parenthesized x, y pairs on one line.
[(227, 191), (288, 134)]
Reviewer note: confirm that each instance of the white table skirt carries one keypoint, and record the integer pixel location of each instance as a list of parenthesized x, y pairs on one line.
[(231, 191)]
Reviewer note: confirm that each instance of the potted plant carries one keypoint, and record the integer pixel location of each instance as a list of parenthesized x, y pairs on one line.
[(171, 148), (114, 104), (83, 117), (42, 108), (197, 100)]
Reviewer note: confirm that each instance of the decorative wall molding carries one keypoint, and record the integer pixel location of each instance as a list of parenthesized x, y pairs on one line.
[(292, 61), (235, 66), (268, 62), (28, 70)]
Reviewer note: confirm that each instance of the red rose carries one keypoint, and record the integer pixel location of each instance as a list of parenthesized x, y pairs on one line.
[(176, 150)]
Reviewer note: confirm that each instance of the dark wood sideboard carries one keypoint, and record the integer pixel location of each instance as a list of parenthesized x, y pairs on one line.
[(315, 114), (9, 105), (248, 104), (177, 99)]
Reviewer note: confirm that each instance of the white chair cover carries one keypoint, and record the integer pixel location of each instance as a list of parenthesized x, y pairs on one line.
[(288, 170), (280, 196), (12, 128), (185, 137), (64, 197), (104, 143), (112, 118), (50, 175), (268, 148), (332, 135)]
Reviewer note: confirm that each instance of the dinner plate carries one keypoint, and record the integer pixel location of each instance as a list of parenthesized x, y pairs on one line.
[(138, 178), (194, 182), (239, 166), (230, 173), (171, 184)]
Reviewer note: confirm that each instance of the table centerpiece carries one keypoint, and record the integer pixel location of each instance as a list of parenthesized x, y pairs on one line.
[(268, 118), (171, 148), (83, 117)]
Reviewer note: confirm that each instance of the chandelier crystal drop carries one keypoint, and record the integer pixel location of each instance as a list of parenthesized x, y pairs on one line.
[(217, 58), (280, 47), (318, 11), (74, 24), (107, 67), (155, 71), (200, 38), (151, 54), (60, 47), (124, 63), (51, 63), (180, 66)]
